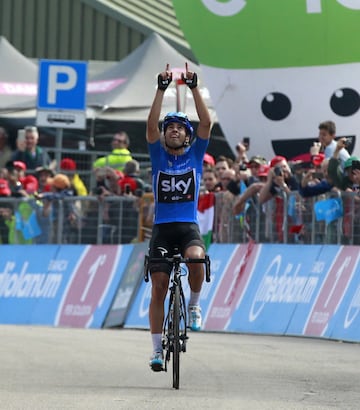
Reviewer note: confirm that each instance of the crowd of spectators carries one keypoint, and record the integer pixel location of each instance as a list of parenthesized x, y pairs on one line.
[(32, 185), (254, 190), (266, 191)]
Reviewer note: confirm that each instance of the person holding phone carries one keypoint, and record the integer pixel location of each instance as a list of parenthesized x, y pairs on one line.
[(349, 179), (176, 156), (311, 185)]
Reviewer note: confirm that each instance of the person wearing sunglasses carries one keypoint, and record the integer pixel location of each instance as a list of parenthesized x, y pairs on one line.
[(176, 154), (120, 153)]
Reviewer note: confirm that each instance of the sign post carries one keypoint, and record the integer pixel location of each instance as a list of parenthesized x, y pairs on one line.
[(61, 99)]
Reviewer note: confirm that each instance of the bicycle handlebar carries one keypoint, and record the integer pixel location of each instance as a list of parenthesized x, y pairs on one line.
[(179, 260)]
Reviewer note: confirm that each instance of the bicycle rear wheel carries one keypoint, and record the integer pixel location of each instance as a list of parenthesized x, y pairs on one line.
[(176, 341)]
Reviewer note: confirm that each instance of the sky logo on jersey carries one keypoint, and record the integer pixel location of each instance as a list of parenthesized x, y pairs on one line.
[(179, 188), (288, 60)]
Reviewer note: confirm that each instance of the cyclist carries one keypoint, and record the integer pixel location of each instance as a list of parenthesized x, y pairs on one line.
[(177, 162)]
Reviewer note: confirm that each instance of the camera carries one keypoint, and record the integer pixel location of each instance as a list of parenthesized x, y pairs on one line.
[(127, 189), (18, 186), (347, 142), (278, 171), (355, 164), (98, 190)]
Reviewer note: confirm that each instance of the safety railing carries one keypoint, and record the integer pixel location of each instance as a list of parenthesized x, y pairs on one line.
[(327, 219)]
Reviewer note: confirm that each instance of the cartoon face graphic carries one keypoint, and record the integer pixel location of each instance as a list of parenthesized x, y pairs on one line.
[(276, 69)]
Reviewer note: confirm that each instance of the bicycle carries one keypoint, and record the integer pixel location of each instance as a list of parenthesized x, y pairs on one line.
[(176, 320)]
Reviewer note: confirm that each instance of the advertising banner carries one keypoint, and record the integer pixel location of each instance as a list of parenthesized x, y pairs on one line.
[(29, 282), (129, 284), (234, 277), (331, 295), (280, 282), (68, 285)]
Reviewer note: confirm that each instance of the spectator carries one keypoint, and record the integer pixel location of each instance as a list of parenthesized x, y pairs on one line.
[(313, 184), (33, 155), (120, 153), (68, 165), (14, 175), (208, 162), (6, 214), (60, 186), (256, 164), (43, 174), (327, 133), (226, 176), (248, 203), (280, 182), (131, 181), (5, 150), (222, 163), (224, 203), (209, 180), (348, 182), (20, 167), (347, 179)]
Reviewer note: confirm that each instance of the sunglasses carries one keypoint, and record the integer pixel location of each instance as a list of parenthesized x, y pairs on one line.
[(120, 141)]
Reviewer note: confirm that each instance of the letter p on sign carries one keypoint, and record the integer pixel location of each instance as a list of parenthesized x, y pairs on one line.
[(62, 85), (55, 85)]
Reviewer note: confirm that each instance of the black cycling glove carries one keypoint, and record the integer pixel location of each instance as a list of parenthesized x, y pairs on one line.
[(163, 83), (190, 82)]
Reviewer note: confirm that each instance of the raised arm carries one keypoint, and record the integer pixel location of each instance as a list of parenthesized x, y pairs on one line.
[(204, 128), (152, 126)]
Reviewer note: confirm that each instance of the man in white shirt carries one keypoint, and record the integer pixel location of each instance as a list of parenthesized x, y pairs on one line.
[(327, 132)]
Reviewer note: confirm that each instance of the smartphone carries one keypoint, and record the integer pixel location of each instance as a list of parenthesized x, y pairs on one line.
[(127, 189), (318, 175), (21, 135), (355, 164), (246, 142)]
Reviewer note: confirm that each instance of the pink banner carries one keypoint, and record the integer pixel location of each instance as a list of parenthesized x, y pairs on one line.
[(232, 286), (30, 89), (332, 291)]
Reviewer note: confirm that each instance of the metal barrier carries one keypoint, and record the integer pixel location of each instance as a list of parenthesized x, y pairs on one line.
[(72, 220), (85, 158), (124, 219), (289, 219)]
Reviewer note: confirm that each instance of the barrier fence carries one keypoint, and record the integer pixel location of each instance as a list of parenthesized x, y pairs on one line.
[(329, 219)]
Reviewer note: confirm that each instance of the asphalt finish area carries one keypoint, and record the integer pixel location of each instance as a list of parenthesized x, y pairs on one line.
[(60, 368)]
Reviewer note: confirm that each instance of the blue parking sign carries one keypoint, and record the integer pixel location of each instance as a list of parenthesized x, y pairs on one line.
[(62, 85)]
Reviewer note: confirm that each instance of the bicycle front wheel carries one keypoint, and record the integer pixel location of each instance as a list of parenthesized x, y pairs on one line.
[(176, 341)]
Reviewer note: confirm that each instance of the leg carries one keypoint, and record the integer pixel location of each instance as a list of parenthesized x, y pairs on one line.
[(160, 285), (196, 270), (196, 279)]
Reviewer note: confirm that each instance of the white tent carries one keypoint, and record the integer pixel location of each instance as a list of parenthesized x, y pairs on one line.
[(130, 85)]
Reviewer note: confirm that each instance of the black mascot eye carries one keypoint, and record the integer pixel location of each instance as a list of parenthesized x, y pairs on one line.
[(276, 106), (345, 102)]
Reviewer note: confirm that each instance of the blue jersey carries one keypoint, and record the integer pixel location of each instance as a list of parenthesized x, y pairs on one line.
[(176, 181)]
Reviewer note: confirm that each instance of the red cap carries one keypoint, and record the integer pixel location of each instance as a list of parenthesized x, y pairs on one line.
[(30, 184), (276, 160), (4, 188), (209, 159), (263, 170), (20, 164), (68, 164), (318, 159)]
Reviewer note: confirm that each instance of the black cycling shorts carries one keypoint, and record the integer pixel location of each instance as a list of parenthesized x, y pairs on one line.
[(171, 238)]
